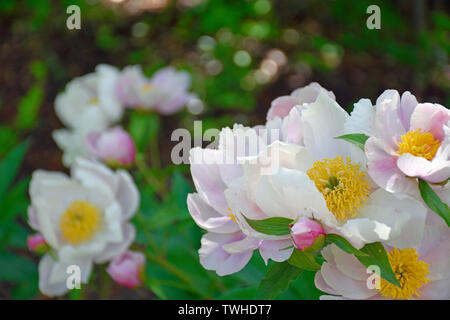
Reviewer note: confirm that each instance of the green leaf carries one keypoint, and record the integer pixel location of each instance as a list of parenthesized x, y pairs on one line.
[(248, 293), (378, 256), (433, 202), (143, 127), (273, 226), (8, 139), (343, 244), (15, 268), (25, 290), (358, 139), (10, 166), (277, 279), (28, 108), (303, 260), (303, 288), (15, 202), (180, 189)]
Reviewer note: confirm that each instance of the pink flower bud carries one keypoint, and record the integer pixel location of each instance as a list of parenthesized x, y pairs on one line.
[(128, 269), (113, 146), (37, 244), (306, 233)]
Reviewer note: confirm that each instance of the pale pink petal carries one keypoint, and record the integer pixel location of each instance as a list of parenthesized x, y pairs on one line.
[(272, 249), (281, 107), (408, 103), (344, 285), (213, 257), (382, 168), (207, 218), (431, 171), (46, 266), (388, 125), (322, 285), (112, 250), (207, 178), (431, 118)]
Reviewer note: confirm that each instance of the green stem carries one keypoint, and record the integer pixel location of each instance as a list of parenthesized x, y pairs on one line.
[(150, 177), (154, 152)]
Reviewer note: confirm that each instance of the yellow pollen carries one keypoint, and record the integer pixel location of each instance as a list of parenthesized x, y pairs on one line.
[(419, 144), (94, 101), (409, 271), (343, 185), (147, 87), (80, 222), (231, 215)]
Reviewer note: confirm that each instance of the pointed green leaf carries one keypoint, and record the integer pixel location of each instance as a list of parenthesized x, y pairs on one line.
[(10, 165), (343, 244), (303, 260), (276, 226), (358, 139), (277, 279), (433, 202), (378, 256)]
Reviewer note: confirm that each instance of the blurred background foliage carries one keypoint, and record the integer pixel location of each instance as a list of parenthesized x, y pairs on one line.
[(241, 54)]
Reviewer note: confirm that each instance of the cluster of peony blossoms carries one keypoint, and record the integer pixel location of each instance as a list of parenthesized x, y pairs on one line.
[(84, 219), (307, 193), (93, 104)]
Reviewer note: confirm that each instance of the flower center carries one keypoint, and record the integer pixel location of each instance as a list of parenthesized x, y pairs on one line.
[(147, 87), (94, 101), (409, 271), (343, 185), (232, 216), (80, 222), (420, 144)]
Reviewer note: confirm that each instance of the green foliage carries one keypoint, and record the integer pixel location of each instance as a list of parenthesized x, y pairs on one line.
[(433, 202), (303, 260), (332, 42), (15, 269), (279, 276), (377, 256), (358, 139), (343, 244), (273, 226)]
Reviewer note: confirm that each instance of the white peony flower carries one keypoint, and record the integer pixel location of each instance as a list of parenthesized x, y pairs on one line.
[(327, 179), (421, 270), (90, 102), (83, 218)]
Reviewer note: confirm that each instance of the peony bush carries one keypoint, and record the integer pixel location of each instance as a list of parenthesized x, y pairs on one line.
[(359, 199), (355, 206)]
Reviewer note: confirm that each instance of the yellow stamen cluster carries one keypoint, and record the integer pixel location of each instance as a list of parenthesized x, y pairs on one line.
[(231, 215), (419, 144), (94, 101), (343, 185), (80, 222), (146, 87), (409, 271)]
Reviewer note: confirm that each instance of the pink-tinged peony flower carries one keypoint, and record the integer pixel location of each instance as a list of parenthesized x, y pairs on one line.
[(326, 179), (36, 243), (410, 140), (128, 269), (306, 232), (226, 248), (130, 81), (113, 146), (281, 106), (422, 271), (167, 92)]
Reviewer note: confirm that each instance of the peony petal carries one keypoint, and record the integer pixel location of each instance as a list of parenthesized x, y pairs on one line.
[(207, 218), (213, 257)]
